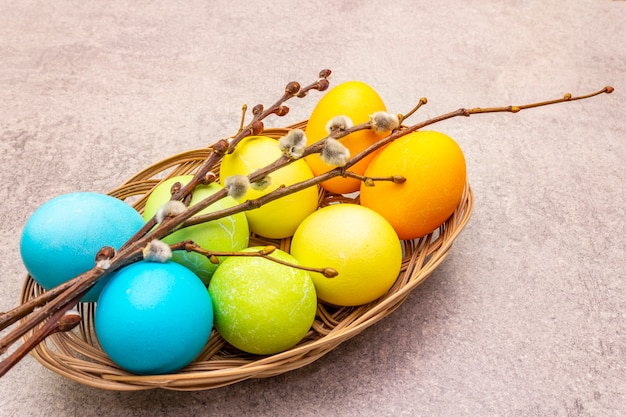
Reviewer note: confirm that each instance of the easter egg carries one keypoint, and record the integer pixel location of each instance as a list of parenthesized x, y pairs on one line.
[(358, 101), (61, 238), (434, 167), (261, 306), (226, 234), (153, 318), (355, 241), (280, 218)]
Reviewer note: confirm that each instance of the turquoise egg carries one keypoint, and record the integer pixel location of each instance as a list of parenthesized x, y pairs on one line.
[(61, 238), (153, 318)]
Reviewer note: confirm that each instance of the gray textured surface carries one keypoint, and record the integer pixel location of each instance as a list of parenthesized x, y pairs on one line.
[(525, 318)]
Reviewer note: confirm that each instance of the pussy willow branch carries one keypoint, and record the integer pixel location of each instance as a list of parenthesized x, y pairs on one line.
[(72, 295), (68, 294), (255, 127), (218, 151), (264, 252), (61, 321), (341, 171)]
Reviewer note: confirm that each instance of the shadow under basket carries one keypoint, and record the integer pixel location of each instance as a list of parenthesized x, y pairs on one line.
[(77, 355)]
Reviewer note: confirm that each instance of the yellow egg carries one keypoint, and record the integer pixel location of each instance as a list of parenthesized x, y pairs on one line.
[(279, 218), (358, 101), (355, 241)]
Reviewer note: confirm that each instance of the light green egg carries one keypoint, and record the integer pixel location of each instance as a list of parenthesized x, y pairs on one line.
[(226, 234)]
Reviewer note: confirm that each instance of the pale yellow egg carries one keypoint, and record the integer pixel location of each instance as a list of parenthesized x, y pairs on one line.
[(280, 218)]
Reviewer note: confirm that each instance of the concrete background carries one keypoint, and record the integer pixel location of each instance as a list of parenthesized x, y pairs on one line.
[(527, 315)]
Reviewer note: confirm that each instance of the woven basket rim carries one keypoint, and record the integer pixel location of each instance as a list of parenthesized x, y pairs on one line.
[(77, 356)]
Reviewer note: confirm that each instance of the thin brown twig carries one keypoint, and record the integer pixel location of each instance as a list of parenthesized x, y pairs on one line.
[(264, 252), (293, 89), (61, 321), (371, 181), (420, 103)]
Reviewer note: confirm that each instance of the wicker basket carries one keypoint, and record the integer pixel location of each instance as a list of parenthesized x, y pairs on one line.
[(78, 356)]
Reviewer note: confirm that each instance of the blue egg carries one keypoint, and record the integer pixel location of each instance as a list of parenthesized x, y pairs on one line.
[(153, 318), (61, 238)]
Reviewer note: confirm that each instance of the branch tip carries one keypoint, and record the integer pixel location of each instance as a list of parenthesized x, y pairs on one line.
[(330, 272), (257, 110), (267, 250), (293, 88), (325, 73)]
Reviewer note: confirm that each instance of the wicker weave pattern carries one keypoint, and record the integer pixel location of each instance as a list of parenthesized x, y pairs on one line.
[(78, 356)]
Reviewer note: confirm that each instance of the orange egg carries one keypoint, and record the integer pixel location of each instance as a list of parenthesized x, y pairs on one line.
[(434, 167), (358, 101)]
